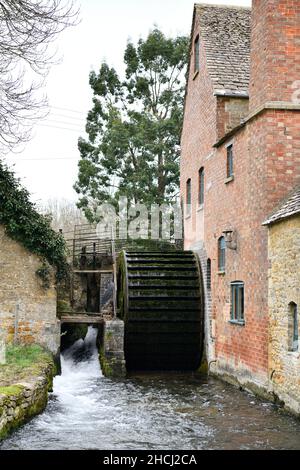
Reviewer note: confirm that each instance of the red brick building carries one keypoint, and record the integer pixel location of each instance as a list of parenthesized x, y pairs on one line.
[(240, 158)]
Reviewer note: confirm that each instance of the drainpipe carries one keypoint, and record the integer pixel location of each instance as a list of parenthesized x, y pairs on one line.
[(16, 323)]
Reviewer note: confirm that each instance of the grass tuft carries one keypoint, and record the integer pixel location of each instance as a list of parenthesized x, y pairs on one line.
[(24, 356), (23, 362)]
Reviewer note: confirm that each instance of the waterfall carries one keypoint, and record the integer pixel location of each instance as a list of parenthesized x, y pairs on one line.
[(89, 411), (80, 367), (82, 357)]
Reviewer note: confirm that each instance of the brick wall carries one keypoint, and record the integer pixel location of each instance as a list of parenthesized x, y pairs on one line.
[(284, 281), (275, 50), (266, 167), (238, 205), (198, 136), (261, 179), (282, 153), (230, 112), (20, 286)]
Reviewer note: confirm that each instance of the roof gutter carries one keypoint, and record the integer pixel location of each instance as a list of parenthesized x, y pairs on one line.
[(232, 94)]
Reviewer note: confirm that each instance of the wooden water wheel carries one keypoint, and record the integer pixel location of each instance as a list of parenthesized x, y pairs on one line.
[(160, 298)]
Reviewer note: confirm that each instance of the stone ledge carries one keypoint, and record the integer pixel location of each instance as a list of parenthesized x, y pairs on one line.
[(229, 179), (242, 381), (22, 401)]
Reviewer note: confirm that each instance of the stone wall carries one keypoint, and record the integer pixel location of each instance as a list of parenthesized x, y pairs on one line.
[(112, 349), (284, 288), (22, 401), (27, 310)]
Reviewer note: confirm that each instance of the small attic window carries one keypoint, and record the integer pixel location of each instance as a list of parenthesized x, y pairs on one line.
[(197, 54)]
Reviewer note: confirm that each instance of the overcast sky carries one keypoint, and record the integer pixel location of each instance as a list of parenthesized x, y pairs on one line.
[(48, 163)]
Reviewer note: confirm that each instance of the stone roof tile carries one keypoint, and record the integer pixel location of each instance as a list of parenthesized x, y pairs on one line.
[(226, 32), (290, 207)]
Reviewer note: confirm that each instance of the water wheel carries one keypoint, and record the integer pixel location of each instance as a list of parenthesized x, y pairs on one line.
[(160, 298)]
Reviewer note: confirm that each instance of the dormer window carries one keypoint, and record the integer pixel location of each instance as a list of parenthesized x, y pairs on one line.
[(197, 54)]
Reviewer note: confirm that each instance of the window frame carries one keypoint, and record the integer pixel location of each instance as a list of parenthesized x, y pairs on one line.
[(229, 161), (188, 199), (293, 327), (197, 54), (208, 274), (201, 186), (222, 254), (237, 302)]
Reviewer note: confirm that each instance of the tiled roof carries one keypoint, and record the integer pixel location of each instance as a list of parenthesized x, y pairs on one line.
[(226, 32), (290, 207)]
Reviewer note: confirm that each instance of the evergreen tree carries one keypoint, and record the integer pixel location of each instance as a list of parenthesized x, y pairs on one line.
[(134, 126)]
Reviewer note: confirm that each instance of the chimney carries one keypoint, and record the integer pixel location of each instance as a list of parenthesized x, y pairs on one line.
[(275, 52)]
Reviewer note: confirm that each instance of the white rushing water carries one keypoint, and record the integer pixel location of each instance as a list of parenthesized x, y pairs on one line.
[(80, 367), (89, 411), (79, 364)]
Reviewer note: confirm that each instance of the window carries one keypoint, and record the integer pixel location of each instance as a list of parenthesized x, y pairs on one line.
[(293, 327), (201, 186), (197, 54), (237, 301), (230, 161), (221, 254), (208, 274), (188, 196)]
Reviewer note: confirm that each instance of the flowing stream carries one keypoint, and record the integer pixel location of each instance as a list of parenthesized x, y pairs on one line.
[(152, 412)]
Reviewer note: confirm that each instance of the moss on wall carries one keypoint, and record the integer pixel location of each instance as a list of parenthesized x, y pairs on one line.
[(24, 384), (105, 365)]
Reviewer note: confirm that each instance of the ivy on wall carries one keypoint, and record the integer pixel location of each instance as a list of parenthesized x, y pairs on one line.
[(24, 224)]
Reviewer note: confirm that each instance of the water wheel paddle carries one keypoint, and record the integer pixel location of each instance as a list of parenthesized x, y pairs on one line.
[(160, 298)]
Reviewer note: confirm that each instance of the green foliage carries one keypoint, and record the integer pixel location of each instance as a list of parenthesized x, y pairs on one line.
[(25, 225), (153, 245), (63, 306), (24, 356), (23, 361), (44, 272), (12, 390), (134, 126), (105, 366)]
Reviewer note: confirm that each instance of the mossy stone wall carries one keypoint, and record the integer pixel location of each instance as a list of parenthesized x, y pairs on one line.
[(22, 401), (112, 349)]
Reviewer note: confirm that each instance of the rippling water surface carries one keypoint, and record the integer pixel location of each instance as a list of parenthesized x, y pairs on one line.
[(89, 411)]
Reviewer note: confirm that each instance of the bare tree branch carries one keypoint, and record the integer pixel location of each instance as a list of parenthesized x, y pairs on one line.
[(27, 27)]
